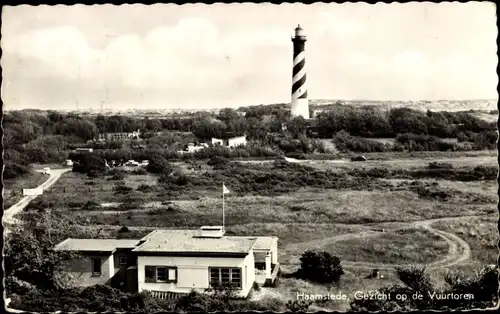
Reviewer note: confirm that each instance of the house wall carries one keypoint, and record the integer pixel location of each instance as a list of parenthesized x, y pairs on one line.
[(192, 272), (237, 141), (273, 250), (216, 141), (81, 269)]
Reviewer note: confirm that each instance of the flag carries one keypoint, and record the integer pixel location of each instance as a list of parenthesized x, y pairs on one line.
[(224, 189)]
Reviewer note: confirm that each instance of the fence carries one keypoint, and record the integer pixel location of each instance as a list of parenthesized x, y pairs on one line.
[(32, 192)]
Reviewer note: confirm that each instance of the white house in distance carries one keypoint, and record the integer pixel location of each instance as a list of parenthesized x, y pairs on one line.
[(169, 262), (231, 142), (192, 148)]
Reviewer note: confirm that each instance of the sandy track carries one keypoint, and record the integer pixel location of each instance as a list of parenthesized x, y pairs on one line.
[(8, 215), (459, 251)]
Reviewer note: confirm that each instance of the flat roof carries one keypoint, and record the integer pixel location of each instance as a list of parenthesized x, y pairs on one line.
[(95, 245), (190, 241), (261, 242)]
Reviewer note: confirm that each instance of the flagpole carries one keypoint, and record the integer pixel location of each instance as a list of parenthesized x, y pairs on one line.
[(223, 218)]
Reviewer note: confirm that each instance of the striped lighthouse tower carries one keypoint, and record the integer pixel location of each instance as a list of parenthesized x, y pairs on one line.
[(300, 104)]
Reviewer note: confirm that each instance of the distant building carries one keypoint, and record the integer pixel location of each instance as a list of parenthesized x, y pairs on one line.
[(237, 141), (231, 142), (132, 163), (217, 141), (192, 148), (84, 150), (176, 261), (119, 137)]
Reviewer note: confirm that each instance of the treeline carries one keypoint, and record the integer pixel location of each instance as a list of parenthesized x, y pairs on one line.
[(46, 137), (374, 122)]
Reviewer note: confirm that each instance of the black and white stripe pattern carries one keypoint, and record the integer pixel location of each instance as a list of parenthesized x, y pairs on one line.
[(299, 90)]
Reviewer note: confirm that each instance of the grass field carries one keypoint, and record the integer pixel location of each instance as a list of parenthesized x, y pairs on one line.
[(412, 246), (481, 233), (13, 188), (321, 214)]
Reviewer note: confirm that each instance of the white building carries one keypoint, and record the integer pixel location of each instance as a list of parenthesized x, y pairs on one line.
[(231, 142), (237, 141), (179, 261), (217, 141)]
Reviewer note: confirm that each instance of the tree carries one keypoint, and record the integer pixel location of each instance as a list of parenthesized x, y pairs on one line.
[(297, 126), (320, 267), (87, 163), (29, 254), (159, 165)]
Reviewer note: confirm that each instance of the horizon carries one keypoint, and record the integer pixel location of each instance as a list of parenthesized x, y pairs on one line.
[(331, 102), (191, 56)]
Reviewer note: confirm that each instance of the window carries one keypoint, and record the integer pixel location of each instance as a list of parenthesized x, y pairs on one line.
[(225, 276), (160, 274), (96, 266), (123, 260), (150, 274)]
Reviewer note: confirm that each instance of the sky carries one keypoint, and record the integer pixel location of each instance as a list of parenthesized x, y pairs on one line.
[(197, 56)]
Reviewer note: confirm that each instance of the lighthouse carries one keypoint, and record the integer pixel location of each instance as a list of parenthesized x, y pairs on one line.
[(300, 104)]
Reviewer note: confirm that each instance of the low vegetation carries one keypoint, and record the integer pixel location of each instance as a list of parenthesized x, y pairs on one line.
[(478, 292), (320, 267)]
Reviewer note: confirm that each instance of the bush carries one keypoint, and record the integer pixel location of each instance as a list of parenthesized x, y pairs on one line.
[(90, 205), (321, 267), (345, 142), (217, 161), (118, 176), (483, 287), (122, 189), (14, 170), (123, 229), (144, 188), (90, 163), (139, 171), (159, 165), (440, 165)]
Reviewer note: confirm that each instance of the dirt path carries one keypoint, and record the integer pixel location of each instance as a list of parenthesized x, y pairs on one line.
[(8, 215), (458, 252)]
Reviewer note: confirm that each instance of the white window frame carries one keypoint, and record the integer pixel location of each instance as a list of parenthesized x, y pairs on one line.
[(167, 274), (239, 283)]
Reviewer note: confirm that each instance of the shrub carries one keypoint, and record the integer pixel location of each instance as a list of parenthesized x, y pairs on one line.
[(440, 165), (13, 170), (140, 171), (256, 286), (123, 229), (182, 179), (117, 176), (90, 163), (345, 142), (122, 189), (320, 267), (298, 305), (483, 287), (159, 165), (217, 161), (144, 188), (90, 205)]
